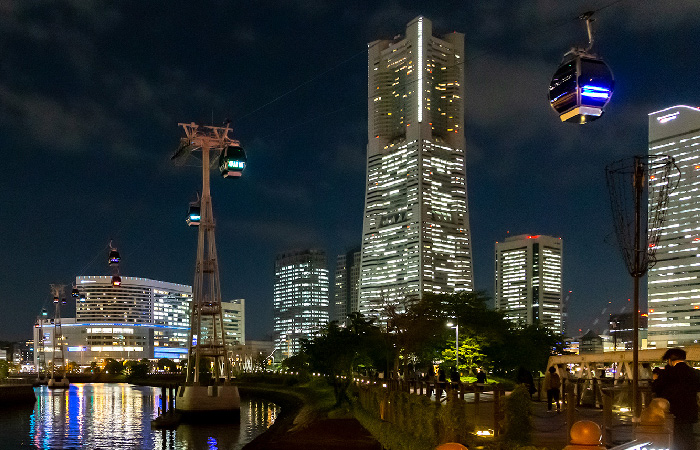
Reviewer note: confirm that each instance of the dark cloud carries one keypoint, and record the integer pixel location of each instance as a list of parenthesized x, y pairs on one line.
[(96, 89)]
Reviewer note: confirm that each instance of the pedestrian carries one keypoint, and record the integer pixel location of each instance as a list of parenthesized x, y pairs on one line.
[(552, 383), (431, 381), (525, 377), (442, 381), (481, 377), (454, 375), (679, 384)]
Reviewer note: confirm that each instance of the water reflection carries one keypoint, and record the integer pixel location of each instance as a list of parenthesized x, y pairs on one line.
[(101, 416)]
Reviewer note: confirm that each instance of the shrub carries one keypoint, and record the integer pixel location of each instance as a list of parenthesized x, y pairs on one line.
[(517, 426)]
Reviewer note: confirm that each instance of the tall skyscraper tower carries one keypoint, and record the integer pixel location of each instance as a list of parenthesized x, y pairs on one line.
[(415, 235), (300, 299), (528, 280), (674, 282), (346, 285)]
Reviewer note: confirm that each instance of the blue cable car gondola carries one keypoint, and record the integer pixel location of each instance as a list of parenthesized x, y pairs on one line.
[(582, 85), (194, 215), (232, 161)]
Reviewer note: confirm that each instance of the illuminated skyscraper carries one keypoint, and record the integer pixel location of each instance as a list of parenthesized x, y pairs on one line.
[(674, 282), (346, 285), (416, 235), (300, 299), (528, 280)]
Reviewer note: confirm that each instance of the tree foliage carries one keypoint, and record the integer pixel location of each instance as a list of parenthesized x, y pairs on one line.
[(338, 352), (113, 367), (417, 334)]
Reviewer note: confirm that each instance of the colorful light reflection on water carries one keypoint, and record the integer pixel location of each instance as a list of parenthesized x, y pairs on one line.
[(108, 416)]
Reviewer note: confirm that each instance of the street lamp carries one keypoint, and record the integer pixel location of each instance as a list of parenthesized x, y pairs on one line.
[(456, 327)]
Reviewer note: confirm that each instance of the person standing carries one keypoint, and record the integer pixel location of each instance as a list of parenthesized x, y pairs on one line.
[(552, 383), (679, 384), (481, 377)]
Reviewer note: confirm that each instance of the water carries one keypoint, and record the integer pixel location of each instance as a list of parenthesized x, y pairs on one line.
[(118, 416)]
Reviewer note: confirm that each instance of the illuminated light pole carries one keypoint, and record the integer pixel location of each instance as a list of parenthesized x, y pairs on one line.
[(456, 327)]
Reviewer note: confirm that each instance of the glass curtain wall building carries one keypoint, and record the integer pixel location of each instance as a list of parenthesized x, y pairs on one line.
[(674, 282), (300, 299), (529, 280), (416, 235), (346, 285), (141, 318)]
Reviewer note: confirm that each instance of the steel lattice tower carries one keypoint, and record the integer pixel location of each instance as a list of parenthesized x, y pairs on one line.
[(206, 292)]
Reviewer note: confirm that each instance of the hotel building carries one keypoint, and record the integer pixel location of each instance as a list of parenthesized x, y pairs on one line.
[(674, 281), (300, 299), (416, 235), (141, 318), (529, 280)]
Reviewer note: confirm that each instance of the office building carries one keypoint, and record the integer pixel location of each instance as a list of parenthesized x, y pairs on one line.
[(529, 280), (300, 299), (416, 235), (234, 321), (346, 285), (673, 283), (621, 330), (141, 318)]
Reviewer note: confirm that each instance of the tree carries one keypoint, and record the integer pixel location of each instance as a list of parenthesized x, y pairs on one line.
[(113, 367), (471, 356), (167, 365), (136, 369), (4, 369), (529, 347), (338, 352), (72, 367)]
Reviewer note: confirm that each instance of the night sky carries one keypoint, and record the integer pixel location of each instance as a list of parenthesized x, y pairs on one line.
[(91, 94)]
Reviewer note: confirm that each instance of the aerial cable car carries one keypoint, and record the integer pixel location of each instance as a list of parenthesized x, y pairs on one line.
[(75, 293), (583, 84), (232, 161), (116, 280), (113, 255), (194, 215)]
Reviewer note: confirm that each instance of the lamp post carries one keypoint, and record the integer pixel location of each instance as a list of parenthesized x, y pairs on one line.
[(456, 327)]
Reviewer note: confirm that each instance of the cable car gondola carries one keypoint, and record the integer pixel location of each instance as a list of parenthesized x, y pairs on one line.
[(75, 293), (194, 214), (116, 280), (582, 85), (232, 161), (113, 256)]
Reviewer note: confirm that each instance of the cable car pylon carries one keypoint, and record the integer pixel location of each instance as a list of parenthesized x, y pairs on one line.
[(207, 344), (58, 359)]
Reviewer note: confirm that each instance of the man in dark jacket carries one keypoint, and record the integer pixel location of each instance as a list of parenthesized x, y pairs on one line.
[(679, 384)]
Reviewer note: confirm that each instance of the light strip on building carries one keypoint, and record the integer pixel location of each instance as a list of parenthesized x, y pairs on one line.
[(420, 70)]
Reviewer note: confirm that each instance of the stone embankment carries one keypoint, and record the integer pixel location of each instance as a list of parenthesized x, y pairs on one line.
[(16, 393), (302, 425)]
